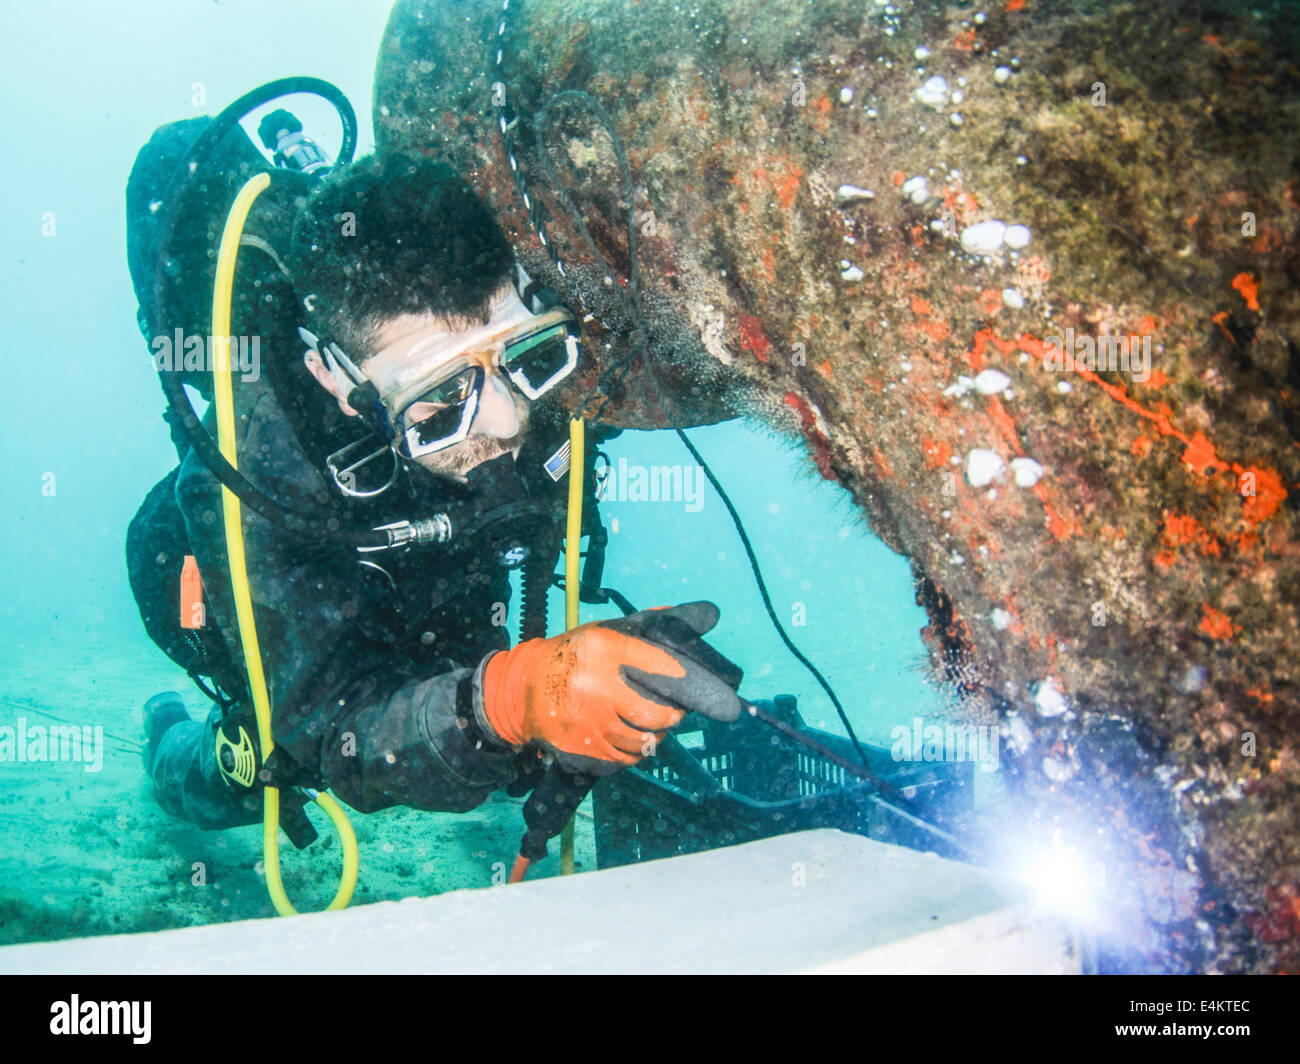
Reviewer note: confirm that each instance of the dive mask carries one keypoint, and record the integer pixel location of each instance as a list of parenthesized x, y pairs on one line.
[(432, 387)]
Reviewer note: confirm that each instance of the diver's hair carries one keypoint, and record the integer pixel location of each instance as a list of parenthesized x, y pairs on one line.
[(396, 234)]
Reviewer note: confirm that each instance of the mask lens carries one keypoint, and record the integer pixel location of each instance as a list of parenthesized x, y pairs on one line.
[(542, 358), (438, 416), (439, 426)]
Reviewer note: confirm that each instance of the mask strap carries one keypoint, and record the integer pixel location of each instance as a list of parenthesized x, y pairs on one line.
[(344, 463), (362, 395), (364, 399)]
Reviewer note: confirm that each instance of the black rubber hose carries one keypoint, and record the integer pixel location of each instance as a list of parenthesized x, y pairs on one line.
[(263, 94), (322, 524), (535, 583), (325, 526)]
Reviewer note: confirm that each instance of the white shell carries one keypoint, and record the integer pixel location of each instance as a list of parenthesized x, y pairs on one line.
[(916, 189), (990, 382), (1026, 471), (983, 466), (983, 238), (934, 93), (1021, 736), (1048, 700), (849, 193), (1056, 770), (1012, 298), (1017, 236)]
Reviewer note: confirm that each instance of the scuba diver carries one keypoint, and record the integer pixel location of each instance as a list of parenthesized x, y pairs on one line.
[(404, 384)]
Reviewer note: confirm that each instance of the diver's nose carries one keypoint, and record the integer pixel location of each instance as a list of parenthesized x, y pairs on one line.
[(497, 415)]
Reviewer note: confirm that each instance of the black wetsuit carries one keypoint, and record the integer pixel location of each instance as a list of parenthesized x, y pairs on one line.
[(364, 674), (363, 679)]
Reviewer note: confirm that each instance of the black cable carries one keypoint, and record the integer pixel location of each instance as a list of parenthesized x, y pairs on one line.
[(638, 345), (542, 120), (631, 302), (134, 745), (767, 601), (319, 524)]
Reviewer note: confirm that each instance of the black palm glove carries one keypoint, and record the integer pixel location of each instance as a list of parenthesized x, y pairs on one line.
[(709, 686)]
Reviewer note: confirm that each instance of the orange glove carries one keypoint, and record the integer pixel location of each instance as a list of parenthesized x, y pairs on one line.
[(602, 695)]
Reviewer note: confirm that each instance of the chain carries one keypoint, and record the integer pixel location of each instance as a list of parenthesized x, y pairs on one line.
[(508, 124)]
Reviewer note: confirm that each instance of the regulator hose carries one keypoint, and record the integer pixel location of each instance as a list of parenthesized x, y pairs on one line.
[(319, 524), (224, 402)]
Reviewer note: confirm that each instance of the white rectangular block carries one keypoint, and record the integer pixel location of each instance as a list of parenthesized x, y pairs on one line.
[(813, 901)]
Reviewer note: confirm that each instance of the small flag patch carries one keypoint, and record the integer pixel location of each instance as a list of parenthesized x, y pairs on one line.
[(558, 464)]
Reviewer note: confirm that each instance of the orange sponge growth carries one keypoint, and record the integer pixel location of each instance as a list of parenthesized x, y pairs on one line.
[(1246, 284)]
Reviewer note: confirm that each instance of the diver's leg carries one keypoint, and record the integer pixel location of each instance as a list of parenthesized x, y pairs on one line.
[(186, 780)]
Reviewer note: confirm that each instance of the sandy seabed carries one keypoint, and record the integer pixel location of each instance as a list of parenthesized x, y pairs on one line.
[(91, 853)]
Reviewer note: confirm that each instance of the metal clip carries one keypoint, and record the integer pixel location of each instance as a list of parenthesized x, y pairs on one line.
[(392, 584), (346, 476)]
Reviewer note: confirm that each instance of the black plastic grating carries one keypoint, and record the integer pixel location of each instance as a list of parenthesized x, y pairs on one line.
[(817, 776), (721, 766)]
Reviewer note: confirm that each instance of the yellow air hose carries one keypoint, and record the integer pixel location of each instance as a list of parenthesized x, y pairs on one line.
[(222, 294), (573, 536)]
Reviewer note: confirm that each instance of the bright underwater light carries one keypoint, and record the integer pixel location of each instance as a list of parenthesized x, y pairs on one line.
[(1062, 880)]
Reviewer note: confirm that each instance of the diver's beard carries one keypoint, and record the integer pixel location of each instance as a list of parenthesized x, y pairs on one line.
[(456, 462)]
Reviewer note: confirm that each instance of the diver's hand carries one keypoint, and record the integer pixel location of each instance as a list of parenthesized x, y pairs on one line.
[(602, 695)]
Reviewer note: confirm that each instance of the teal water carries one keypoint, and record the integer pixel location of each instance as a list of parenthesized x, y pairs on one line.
[(89, 852), (845, 599)]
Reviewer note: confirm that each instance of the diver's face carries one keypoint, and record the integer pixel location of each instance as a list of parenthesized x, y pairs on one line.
[(419, 341)]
